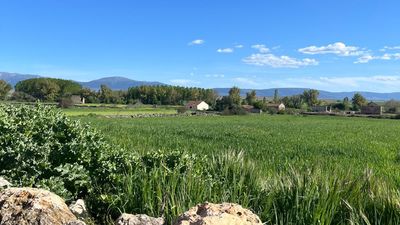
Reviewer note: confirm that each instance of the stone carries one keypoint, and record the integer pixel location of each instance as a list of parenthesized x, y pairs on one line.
[(31, 206), (79, 209), (218, 214), (140, 219), (4, 183)]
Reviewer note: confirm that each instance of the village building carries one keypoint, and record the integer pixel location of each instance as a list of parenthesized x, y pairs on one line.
[(77, 99), (321, 109), (197, 105), (372, 109), (277, 107), (251, 109)]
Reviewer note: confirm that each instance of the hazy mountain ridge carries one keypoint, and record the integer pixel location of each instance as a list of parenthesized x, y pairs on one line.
[(123, 83), (322, 94)]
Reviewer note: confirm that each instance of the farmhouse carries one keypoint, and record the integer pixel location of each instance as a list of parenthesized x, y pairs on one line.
[(77, 99), (251, 109), (321, 109), (197, 105), (372, 109), (277, 107)]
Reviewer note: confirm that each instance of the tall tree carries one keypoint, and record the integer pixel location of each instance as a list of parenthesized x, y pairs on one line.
[(358, 100), (311, 97), (276, 96), (4, 89), (251, 97), (346, 103), (106, 94), (234, 96)]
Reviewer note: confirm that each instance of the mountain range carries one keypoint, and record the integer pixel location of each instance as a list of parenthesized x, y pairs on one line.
[(122, 83)]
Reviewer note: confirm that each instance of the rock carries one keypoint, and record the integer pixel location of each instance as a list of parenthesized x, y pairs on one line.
[(140, 219), (31, 206), (79, 209), (4, 183), (218, 214)]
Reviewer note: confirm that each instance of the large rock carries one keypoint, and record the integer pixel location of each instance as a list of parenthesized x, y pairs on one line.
[(31, 206), (4, 183), (218, 214), (140, 219)]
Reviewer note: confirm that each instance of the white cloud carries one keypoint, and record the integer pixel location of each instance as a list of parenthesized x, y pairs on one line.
[(197, 42), (338, 48), (184, 82), (238, 46), (225, 50), (390, 48), (368, 57), (278, 61), (215, 75), (244, 81), (261, 48), (379, 83)]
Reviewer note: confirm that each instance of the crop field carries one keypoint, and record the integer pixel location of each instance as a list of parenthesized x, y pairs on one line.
[(117, 111), (288, 169), (272, 142)]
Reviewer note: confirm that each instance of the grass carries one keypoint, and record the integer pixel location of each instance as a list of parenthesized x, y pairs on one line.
[(274, 142), (288, 169), (117, 111)]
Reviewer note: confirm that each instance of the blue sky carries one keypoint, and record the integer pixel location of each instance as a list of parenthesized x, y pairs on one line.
[(335, 45)]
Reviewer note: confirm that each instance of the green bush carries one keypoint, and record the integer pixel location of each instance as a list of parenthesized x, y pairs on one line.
[(41, 147)]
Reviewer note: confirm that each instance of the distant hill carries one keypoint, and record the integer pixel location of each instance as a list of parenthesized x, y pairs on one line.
[(122, 83), (372, 96), (14, 78), (116, 83)]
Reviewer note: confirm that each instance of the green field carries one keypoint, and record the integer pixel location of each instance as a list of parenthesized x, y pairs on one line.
[(117, 111), (288, 169), (273, 142)]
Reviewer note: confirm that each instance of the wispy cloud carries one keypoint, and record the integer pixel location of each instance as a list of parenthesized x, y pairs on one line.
[(196, 42), (368, 57), (261, 48), (244, 81), (278, 61), (389, 48), (238, 46), (215, 75), (184, 82), (225, 50), (338, 48)]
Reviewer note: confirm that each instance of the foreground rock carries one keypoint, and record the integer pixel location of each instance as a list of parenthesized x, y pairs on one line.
[(31, 206), (218, 214), (129, 219), (79, 209), (4, 183)]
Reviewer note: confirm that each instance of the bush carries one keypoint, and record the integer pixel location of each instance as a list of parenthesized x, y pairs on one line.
[(65, 102), (40, 147), (22, 97)]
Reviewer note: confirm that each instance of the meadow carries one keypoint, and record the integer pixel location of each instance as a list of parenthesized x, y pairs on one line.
[(117, 110), (288, 169)]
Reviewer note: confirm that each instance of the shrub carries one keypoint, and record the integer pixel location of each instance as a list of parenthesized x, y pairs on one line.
[(41, 147), (65, 102)]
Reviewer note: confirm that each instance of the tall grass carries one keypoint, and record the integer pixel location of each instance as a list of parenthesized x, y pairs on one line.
[(167, 184)]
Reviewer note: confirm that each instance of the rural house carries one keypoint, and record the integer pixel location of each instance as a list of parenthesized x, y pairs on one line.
[(372, 109), (77, 99), (251, 109), (277, 107), (197, 105), (321, 109)]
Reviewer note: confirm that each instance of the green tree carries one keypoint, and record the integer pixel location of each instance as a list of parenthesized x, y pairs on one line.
[(358, 100), (251, 97), (234, 96), (346, 103), (276, 96), (311, 97), (4, 89), (106, 94)]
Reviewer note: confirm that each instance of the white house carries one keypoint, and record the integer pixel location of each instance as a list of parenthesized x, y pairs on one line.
[(197, 105)]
